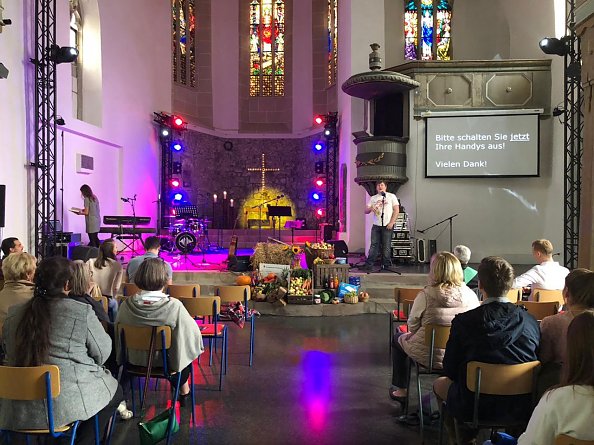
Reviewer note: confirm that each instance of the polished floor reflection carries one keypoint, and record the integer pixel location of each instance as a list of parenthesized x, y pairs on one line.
[(315, 380)]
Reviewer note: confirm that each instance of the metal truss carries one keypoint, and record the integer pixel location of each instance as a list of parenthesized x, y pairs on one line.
[(163, 120), (573, 137), (45, 128), (332, 170)]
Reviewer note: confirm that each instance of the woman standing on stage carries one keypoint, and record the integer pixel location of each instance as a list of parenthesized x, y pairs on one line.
[(92, 214)]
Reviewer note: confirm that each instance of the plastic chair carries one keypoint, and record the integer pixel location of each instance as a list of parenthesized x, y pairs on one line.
[(500, 380), (41, 383), (183, 290), (540, 310), (547, 295), (401, 294), (564, 439), (138, 338), (202, 307), (436, 336), (232, 294)]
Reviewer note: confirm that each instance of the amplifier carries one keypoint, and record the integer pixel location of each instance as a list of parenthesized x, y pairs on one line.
[(426, 249), (401, 235), (67, 237), (398, 252)]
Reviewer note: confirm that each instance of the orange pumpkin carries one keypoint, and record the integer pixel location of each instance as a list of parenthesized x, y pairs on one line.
[(243, 280)]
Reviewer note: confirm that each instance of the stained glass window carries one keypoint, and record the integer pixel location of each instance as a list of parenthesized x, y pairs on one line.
[(332, 29), (433, 26), (267, 48), (183, 32)]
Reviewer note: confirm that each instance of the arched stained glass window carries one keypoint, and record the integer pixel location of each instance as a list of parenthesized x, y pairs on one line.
[(183, 30), (427, 29), (267, 48), (332, 23)]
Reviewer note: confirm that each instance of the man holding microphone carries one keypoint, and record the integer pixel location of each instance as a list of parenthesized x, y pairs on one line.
[(385, 208)]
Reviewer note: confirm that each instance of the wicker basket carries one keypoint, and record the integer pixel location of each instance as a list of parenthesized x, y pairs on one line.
[(323, 253), (351, 299)]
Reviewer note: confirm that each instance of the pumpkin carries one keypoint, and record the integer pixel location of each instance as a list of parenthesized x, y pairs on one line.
[(363, 296), (243, 280)]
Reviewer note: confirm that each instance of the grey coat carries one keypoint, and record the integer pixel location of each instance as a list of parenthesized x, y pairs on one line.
[(186, 339), (78, 346)]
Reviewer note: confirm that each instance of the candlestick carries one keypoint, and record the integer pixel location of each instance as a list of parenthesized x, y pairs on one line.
[(224, 195), (231, 202), (214, 197)]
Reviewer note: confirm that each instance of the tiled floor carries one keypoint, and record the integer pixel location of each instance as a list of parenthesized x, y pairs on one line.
[(315, 380)]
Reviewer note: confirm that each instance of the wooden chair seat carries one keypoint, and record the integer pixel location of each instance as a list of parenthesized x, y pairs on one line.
[(540, 310), (183, 290), (564, 439)]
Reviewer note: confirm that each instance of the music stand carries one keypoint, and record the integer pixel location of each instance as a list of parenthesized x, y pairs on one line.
[(278, 212), (296, 224)]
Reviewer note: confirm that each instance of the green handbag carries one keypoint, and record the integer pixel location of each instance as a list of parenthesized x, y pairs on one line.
[(155, 430)]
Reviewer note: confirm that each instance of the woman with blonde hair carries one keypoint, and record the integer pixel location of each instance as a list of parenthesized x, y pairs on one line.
[(18, 269), (107, 273), (445, 296), (567, 408), (80, 289)]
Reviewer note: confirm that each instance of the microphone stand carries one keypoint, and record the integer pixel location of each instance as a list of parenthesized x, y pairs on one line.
[(449, 218), (259, 207)]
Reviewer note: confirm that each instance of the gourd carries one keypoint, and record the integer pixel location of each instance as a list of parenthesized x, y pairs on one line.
[(243, 280)]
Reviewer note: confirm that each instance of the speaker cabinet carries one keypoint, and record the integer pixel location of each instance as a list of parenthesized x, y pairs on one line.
[(84, 253), (340, 248), (422, 251)]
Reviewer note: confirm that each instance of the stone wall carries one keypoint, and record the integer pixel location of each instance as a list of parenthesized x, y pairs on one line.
[(210, 165)]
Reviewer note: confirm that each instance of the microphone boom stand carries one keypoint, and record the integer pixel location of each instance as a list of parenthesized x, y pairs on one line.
[(449, 218)]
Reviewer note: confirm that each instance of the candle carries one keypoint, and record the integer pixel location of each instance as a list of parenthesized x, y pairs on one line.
[(224, 195), (214, 197), (231, 202)]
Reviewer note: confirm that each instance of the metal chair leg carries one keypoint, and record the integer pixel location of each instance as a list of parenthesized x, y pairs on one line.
[(173, 402), (421, 420), (96, 424), (192, 394), (252, 335)]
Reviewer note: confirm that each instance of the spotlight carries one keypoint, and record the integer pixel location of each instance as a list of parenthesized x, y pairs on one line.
[(551, 45), (327, 132), (178, 197), (558, 111), (320, 213), (64, 54), (60, 120), (177, 122), (319, 119), (5, 22), (319, 146), (319, 167), (175, 182), (177, 146), (316, 196), (320, 182), (164, 132)]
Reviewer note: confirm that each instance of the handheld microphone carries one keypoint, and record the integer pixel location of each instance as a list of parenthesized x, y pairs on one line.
[(125, 199), (383, 194)]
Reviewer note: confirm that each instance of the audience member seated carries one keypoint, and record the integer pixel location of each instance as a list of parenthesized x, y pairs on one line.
[(438, 303), (52, 329), (567, 408), (151, 307), (470, 275), (18, 269), (579, 296), (80, 288), (107, 274), (495, 332), (8, 246), (547, 274), (152, 246)]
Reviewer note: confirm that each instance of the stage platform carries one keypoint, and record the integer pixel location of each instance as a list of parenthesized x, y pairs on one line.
[(210, 270)]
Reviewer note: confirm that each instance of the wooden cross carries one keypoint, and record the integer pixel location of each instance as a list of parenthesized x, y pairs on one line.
[(263, 171)]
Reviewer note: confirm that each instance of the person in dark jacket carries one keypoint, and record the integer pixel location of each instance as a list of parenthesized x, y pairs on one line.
[(495, 332)]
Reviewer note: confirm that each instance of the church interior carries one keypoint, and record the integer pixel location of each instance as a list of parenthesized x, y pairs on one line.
[(251, 137)]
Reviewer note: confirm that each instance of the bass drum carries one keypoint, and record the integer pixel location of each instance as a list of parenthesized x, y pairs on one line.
[(185, 242)]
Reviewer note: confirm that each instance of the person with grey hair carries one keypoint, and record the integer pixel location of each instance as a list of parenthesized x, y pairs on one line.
[(80, 288), (470, 275), (19, 269)]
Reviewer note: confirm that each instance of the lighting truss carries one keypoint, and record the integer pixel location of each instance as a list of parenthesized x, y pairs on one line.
[(332, 171)]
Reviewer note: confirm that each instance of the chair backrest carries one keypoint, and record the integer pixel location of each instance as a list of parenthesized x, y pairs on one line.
[(404, 296), (564, 439), (514, 295), (230, 294), (436, 336), (540, 310), (139, 337), (28, 383), (547, 295), (502, 380), (202, 306), (406, 306), (130, 289), (183, 290), (104, 302)]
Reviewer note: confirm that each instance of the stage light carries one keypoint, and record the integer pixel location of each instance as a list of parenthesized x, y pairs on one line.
[(319, 167), (551, 45), (316, 196), (65, 54), (164, 132), (177, 122), (319, 146), (178, 197), (177, 146), (319, 119), (175, 182), (320, 182), (177, 167), (320, 213)]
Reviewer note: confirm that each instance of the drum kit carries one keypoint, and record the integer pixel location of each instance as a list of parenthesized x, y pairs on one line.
[(185, 235)]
